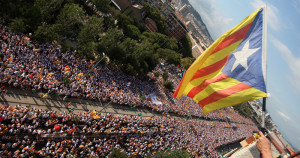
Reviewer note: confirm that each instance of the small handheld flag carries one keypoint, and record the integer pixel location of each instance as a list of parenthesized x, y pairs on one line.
[(232, 70)]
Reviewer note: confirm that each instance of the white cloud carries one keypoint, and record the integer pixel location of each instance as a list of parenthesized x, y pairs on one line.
[(292, 61), (284, 116), (212, 17), (218, 24), (272, 13), (297, 5)]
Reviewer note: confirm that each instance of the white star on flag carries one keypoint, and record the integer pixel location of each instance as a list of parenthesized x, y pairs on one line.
[(242, 56)]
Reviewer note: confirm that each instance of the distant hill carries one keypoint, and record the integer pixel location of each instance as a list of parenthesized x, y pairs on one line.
[(200, 22), (197, 15)]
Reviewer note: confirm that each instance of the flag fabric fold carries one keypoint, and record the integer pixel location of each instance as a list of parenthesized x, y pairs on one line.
[(231, 70)]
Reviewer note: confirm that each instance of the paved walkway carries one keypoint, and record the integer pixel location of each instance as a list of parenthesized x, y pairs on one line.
[(22, 97)]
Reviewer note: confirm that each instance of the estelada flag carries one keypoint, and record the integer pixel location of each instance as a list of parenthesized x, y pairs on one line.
[(232, 70)]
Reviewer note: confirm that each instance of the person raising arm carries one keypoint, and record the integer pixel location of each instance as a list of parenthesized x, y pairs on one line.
[(264, 146)]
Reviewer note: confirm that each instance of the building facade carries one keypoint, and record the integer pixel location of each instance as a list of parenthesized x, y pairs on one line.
[(175, 26)]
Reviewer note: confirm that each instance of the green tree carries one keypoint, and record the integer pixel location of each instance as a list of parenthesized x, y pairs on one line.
[(102, 5), (155, 15), (124, 20), (47, 33), (173, 154), (15, 9), (160, 40), (88, 36), (71, 17), (172, 44), (110, 41), (88, 49), (165, 76), (49, 9), (76, 120), (66, 45), (117, 154), (170, 56), (132, 32), (139, 59), (129, 45), (132, 67), (66, 81), (109, 22), (32, 17), (21, 12), (186, 48), (146, 57), (187, 62), (17, 25), (7, 9), (140, 25), (149, 36), (173, 58), (142, 98), (117, 53), (129, 69), (91, 31)]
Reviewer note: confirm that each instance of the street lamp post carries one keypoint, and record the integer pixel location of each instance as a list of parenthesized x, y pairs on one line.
[(97, 63)]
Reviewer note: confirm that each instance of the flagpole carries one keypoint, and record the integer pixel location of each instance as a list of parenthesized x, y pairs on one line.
[(263, 113), (264, 52)]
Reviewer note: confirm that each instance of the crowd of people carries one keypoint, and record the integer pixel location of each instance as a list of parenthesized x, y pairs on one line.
[(26, 131), (44, 67)]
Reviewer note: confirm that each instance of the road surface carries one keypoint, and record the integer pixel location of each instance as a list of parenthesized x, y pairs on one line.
[(22, 97)]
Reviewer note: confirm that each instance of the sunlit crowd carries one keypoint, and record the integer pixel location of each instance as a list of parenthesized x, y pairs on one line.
[(26, 131)]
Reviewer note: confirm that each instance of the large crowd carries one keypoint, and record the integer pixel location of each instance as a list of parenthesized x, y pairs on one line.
[(27, 131), (44, 67)]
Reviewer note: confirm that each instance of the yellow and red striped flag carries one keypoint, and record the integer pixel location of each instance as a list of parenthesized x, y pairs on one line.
[(232, 70)]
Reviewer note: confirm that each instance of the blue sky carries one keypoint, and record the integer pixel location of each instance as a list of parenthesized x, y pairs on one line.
[(283, 42)]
